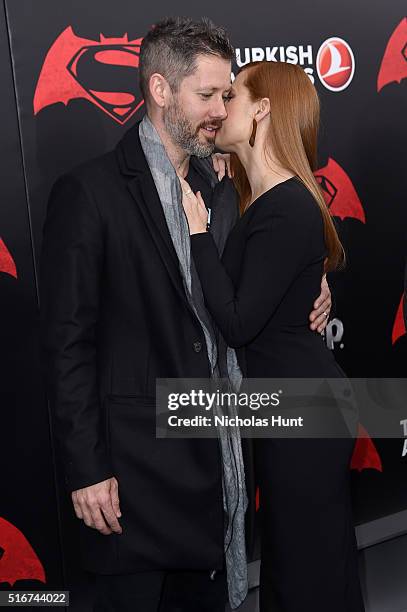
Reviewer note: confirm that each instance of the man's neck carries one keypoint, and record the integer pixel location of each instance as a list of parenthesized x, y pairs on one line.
[(177, 156)]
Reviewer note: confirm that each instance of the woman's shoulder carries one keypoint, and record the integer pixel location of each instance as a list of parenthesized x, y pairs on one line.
[(290, 199)]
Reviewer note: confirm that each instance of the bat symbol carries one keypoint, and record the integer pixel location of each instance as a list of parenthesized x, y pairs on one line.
[(399, 327), (18, 560), (339, 193), (394, 63), (365, 454), (6, 261)]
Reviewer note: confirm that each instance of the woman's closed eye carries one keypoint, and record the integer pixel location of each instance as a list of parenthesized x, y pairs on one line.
[(228, 98)]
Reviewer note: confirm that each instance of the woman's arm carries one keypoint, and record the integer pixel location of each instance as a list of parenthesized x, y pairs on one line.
[(275, 253)]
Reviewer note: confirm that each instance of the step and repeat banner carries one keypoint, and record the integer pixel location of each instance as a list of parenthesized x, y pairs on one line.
[(70, 91)]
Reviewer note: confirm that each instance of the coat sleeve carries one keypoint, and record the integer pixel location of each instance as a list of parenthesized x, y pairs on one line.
[(70, 277), (276, 251)]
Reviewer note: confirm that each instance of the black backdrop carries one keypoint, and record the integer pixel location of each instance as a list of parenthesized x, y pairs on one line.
[(44, 133)]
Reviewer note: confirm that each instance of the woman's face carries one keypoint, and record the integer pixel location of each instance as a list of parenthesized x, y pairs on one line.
[(237, 127)]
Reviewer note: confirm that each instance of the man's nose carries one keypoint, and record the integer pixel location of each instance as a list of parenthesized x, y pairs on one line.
[(218, 110)]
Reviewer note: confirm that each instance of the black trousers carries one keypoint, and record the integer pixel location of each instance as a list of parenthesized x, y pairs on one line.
[(173, 591)]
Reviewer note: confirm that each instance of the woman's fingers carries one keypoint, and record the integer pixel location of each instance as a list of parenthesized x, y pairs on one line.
[(219, 165), (200, 201), (184, 185), (222, 164), (229, 164)]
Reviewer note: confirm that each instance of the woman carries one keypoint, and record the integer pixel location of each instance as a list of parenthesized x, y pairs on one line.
[(260, 295)]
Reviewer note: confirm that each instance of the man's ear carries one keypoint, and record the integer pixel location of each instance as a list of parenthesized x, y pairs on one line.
[(159, 89)]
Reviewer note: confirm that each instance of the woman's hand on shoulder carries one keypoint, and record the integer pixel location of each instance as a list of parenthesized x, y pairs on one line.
[(221, 165)]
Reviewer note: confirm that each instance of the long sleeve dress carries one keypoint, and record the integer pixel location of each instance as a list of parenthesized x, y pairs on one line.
[(260, 295)]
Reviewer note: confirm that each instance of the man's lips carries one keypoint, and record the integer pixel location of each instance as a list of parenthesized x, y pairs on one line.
[(210, 130)]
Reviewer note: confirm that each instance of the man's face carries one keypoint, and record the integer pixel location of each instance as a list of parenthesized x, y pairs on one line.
[(197, 110)]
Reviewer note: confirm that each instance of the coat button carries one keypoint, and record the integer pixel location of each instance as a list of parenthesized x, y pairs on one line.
[(197, 347)]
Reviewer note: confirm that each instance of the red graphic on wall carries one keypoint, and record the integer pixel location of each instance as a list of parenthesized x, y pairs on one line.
[(339, 193), (364, 456), (6, 261), (103, 72), (394, 63), (18, 560), (399, 327)]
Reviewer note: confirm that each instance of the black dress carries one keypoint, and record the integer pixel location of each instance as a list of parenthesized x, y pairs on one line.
[(260, 296)]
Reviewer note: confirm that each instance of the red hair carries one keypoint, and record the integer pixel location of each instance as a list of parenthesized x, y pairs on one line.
[(292, 137)]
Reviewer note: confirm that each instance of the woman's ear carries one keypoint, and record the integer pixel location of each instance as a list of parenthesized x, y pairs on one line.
[(263, 109)]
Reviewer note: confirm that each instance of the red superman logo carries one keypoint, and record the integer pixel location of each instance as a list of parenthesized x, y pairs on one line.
[(339, 193), (6, 261), (103, 72), (399, 327), (18, 560), (394, 63)]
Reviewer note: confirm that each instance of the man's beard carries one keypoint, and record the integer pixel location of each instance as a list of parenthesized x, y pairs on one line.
[(184, 134)]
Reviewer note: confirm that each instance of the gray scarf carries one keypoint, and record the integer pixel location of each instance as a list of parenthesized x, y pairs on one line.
[(222, 359)]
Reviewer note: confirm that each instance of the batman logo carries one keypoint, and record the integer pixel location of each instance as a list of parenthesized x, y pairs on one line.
[(339, 193), (104, 72), (18, 560), (399, 327), (394, 63), (6, 261), (365, 454)]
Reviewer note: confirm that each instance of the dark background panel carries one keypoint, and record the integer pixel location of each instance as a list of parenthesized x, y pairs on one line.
[(362, 130), (28, 498)]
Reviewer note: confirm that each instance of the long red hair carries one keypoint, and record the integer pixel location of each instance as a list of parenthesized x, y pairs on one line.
[(292, 137)]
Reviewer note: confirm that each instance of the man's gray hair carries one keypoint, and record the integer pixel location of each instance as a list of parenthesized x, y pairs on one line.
[(172, 46)]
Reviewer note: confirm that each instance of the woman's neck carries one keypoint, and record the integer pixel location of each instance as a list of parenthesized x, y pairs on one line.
[(262, 173)]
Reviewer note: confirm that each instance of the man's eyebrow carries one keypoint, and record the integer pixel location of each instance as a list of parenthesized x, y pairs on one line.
[(213, 89)]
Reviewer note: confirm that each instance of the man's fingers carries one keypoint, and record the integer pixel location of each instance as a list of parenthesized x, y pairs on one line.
[(99, 522), (114, 497), (87, 516), (116, 506), (110, 517), (76, 506)]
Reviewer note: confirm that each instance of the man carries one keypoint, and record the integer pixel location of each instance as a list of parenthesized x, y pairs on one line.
[(120, 307)]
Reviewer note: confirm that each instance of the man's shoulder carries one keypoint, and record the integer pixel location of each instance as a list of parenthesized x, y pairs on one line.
[(95, 169)]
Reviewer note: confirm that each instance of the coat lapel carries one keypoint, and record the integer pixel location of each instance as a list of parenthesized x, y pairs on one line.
[(141, 186)]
